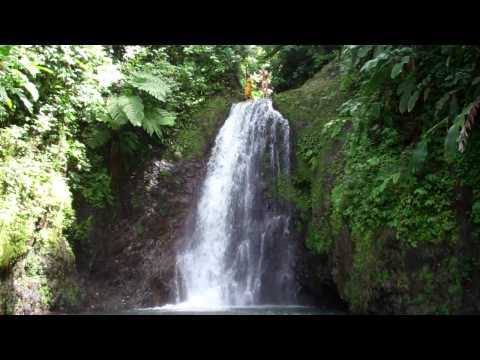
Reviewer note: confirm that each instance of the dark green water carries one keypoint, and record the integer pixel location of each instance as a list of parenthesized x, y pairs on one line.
[(250, 310)]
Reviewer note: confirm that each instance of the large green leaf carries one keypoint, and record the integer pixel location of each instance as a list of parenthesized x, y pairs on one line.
[(26, 102), (407, 85), (155, 119), (97, 137), (451, 139), (5, 98), (32, 89), (125, 108), (364, 50), (132, 107), (413, 100), (404, 102), (369, 65), (5, 50), (115, 109), (405, 90), (397, 68), (151, 84)]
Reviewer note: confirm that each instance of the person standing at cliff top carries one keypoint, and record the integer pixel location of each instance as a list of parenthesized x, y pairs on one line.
[(247, 89), (265, 79)]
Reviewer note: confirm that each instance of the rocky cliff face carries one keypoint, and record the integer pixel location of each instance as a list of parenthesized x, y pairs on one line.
[(137, 264), (44, 278), (374, 271), (135, 261), (308, 109)]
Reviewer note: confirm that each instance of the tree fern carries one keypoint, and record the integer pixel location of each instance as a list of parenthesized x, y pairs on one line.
[(125, 108), (151, 84), (132, 106), (117, 117), (155, 119), (129, 142), (97, 137)]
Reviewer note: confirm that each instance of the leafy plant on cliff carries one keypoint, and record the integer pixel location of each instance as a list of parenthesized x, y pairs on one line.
[(412, 109)]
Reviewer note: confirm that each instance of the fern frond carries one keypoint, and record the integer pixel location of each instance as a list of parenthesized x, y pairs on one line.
[(97, 137), (125, 108), (117, 116), (129, 142), (155, 119), (151, 84), (132, 107)]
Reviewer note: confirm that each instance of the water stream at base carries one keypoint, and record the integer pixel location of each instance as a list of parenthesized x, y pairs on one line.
[(232, 310)]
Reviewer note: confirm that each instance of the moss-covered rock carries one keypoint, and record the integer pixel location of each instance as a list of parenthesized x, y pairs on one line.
[(195, 139), (312, 113), (403, 251), (37, 267)]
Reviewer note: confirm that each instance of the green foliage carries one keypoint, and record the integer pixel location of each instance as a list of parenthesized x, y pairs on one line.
[(476, 212), (125, 109), (35, 199), (155, 119), (292, 65), (398, 180), (48, 96), (63, 110), (192, 139), (130, 108), (444, 74), (151, 84), (405, 140), (95, 188)]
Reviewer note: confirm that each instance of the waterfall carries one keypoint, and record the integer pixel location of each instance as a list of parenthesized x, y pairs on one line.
[(240, 250)]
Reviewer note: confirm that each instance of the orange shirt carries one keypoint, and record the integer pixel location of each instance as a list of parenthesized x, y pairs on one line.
[(248, 88)]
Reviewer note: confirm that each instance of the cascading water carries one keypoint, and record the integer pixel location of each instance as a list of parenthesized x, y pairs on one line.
[(240, 250)]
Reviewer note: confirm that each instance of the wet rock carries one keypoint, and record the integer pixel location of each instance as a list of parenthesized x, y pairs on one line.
[(137, 267)]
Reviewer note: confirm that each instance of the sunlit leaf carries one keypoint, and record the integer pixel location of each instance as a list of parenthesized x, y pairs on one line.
[(153, 85), (43, 68), (26, 102), (155, 119), (132, 107), (397, 68), (451, 140), (97, 137), (364, 50), (117, 116), (413, 100), (32, 89)]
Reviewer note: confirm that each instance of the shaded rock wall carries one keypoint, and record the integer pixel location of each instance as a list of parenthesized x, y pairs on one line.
[(374, 272), (134, 264), (308, 109)]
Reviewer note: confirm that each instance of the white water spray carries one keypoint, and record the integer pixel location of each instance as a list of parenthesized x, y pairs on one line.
[(240, 252)]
